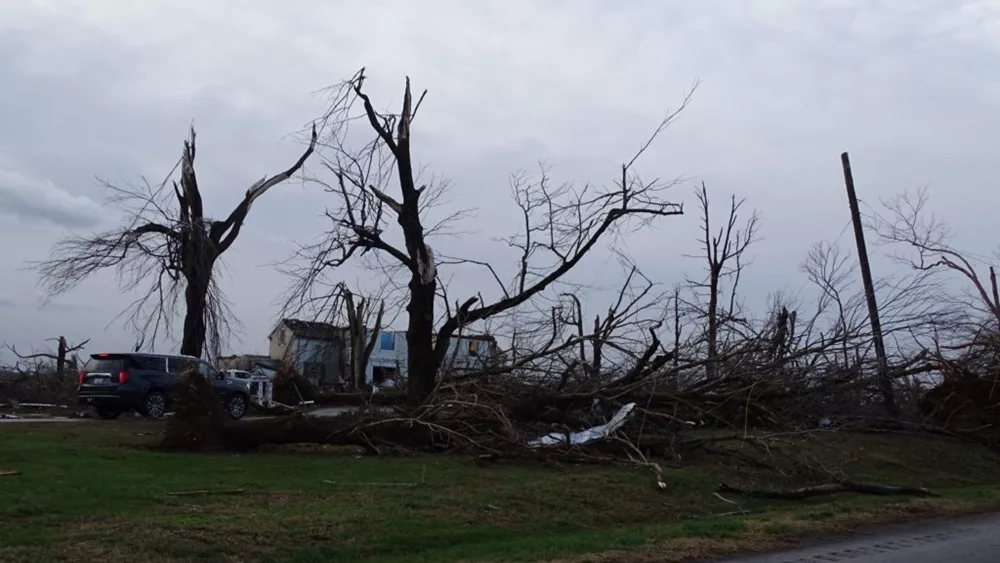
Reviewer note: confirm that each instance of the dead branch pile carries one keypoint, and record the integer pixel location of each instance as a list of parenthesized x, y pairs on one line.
[(21, 386), (292, 388), (500, 414)]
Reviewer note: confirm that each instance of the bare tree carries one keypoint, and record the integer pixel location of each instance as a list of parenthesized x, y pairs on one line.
[(906, 222), (562, 225), (723, 253), (63, 350), (625, 335), (167, 244)]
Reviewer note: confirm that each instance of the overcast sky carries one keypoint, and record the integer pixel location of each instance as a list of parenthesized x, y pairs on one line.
[(107, 88)]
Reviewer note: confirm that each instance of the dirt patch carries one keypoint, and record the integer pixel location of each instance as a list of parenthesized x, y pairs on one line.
[(107, 552)]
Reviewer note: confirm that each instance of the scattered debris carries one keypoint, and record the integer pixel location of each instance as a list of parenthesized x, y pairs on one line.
[(8, 473), (363, 484), (724, 499), (205, 492), (588, 435)]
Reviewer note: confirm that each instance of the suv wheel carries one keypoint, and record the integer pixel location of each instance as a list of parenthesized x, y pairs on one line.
[(154, 405), (236, 406), (108, 414)]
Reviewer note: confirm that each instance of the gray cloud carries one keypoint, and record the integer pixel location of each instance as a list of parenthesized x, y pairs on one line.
[(34, 199)]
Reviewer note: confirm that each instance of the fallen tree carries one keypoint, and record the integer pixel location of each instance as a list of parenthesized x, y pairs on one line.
[(800, 493)]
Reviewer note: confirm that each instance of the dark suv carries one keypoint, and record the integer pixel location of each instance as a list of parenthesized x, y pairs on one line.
[(149, 383)]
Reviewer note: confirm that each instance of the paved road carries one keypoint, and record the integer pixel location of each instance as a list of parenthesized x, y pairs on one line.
[(968, 540), (321, 412), (54, 419)]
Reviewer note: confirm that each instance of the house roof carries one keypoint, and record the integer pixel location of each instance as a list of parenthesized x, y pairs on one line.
[(311, 329), (483, 337)]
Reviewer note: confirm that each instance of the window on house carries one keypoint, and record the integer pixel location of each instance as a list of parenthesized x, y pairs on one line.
[(387, 341)]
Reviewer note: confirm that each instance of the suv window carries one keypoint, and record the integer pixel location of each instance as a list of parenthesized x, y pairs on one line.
[(104, 365), (207, 370), (178, 365), (149, 363)]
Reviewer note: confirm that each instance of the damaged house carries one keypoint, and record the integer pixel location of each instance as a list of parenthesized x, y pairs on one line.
[(321, 353), (314, 349)]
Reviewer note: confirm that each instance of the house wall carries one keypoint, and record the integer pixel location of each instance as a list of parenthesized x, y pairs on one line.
[(395, 357), (327, 354), (280, 343), (389, 352)]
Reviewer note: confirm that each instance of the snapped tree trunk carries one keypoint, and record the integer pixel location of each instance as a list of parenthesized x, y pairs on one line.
[(598, 351), (713, 320), (61, 357), (361, 345)]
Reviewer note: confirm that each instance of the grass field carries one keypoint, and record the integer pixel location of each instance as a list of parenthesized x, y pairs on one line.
[(96, 492)]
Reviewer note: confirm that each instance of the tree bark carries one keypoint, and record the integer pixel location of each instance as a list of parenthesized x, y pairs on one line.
[(421, 357), (713, 320), (61, 357), (195, 301)]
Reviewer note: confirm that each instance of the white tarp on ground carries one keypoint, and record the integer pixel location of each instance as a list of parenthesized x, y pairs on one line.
[(588, 435)]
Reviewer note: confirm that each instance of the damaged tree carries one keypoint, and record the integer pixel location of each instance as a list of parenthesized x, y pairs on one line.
[(561, 225), (61, 357), (965, 347), (362, 338), (723, 256), (45, 377), (168, 243)]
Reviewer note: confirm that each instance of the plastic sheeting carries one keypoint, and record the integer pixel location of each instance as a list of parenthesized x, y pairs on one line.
[(589, 435)]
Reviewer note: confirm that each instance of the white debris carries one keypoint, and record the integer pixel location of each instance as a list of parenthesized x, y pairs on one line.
[(588, 435), (426, 267)]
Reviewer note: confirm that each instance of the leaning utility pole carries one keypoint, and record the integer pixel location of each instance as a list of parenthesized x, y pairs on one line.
[(884, 382)]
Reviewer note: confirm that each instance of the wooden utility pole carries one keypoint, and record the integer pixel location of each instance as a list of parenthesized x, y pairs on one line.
[(884, 382)]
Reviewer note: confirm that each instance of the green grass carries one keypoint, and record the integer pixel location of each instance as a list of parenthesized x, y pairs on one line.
[(96, 491)]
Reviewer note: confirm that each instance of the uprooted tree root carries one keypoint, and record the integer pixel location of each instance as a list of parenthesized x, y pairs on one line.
[(198, 417)]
